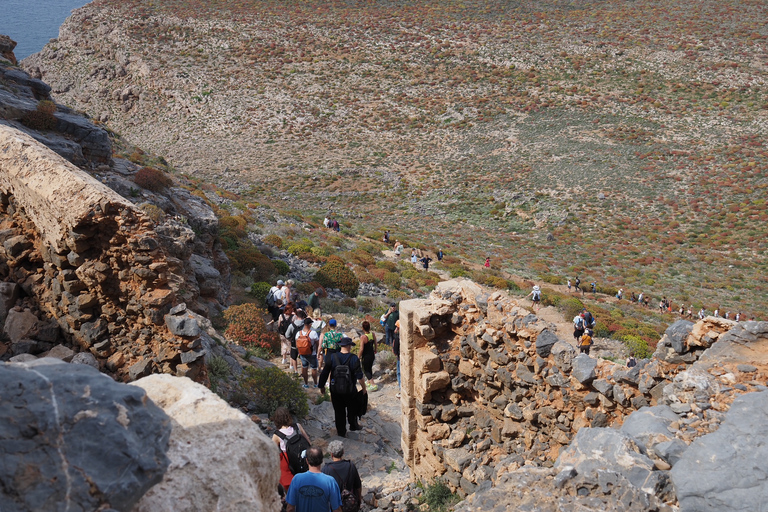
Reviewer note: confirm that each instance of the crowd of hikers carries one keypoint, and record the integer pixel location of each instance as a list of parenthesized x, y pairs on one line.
[(324, 356)]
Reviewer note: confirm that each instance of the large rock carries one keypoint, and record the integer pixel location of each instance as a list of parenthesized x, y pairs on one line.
[(584, 368), (74, 439), (220, 460), (726, 470), (545, 341), (649, 425), (677, 334), (606, 449)]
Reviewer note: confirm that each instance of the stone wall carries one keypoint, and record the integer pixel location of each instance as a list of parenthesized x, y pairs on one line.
[(489, 387), (76, 253)]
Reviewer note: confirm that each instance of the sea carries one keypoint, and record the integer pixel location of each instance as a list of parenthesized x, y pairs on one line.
[(32, 23)]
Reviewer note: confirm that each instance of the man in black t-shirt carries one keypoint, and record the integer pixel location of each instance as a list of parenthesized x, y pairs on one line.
[(344, 471)]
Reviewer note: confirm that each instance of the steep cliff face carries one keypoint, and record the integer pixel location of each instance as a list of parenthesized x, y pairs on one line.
[(85, 264)]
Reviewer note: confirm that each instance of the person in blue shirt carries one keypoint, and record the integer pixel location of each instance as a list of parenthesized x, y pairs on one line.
[(313, 491)]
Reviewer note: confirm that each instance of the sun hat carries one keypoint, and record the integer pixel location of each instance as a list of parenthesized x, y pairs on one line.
[(345, 341)]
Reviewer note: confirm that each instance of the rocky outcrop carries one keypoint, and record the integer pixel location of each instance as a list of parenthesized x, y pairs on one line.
[(85, 256), (6, 49), (73, 439), (488, 388), (220, 460)]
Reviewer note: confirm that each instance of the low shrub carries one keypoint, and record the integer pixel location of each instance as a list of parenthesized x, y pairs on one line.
[(152, 179), (271, 388), (307, 288), (392, 280), (637, 346), (42, 117), (360, 257), (385, 358), (552, 279), (155, 213), (320, 252), (246, 327), (398, 295), (366, 303), (260, 290), (387, 265), (364, 276), (497, 282), (438, 496), (335, 274), (299, 248), (607, 290), (571, 307), (248, 259), (281, 267), (274, 240)]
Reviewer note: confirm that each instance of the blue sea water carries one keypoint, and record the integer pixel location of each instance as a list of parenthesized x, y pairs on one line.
[(32, 23)]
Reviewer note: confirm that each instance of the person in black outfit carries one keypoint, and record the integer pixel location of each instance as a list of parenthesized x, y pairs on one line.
[(343, 471), (344, 405)]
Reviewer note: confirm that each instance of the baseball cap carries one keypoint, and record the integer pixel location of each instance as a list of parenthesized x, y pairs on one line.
[(332, 322), (280, 282)]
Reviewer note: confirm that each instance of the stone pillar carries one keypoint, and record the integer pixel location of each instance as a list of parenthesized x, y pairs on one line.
[(407, 392)]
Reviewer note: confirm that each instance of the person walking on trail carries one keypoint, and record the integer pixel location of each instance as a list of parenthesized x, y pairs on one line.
[(585, 342), (577, 285), (284, 321), (578, 327), (487, 263), (620, 293), (367, 354), (345, 371), (425, 262), (307, 341), (390, 317), (313, 490), (274, 300), (345, 473), (386, 236), (330, 343), (589, 320), (535, 296), (313, 303), (288, 427), (398, 248), (439, 255), (290, 333), (569, 286), (594, 287), (414, 256)]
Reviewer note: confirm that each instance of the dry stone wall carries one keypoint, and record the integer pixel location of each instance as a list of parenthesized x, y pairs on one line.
[(82, 262), (489, 387)]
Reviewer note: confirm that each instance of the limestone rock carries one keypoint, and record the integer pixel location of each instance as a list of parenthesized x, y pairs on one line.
[(584, 368), (649, 426), (101, 442), (725, 471), (220, 460), (545, 341)]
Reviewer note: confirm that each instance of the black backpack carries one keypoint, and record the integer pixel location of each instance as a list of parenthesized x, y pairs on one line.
[(271, 299), (590, 319), (342, 382), (349, 502), (294, 446), (282, 327)]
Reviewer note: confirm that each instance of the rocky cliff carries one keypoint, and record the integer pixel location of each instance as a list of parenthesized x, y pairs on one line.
[(86, 266)]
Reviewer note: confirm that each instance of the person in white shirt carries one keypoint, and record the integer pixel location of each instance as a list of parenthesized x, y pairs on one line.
[(308, 360), (277, 295)]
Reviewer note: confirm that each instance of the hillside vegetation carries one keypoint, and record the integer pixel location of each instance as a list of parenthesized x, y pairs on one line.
[(632, 132)]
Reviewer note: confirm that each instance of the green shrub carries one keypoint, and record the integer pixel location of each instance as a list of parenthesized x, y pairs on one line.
[(274, 240), (218, 369), (271, 388), (497, 282), (281, 267), (391, 266), (571, 307), (335, 274), (438, 496), (248, 259), (607, 290), (320, 252), (152, 179), (260, 290), (398, 295), (386, 358), (300, 248), (551, 279), (637, 346), (392, 280), (366, 303), (246, 327)]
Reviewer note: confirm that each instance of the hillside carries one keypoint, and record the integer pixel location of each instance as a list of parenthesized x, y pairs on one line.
[(633, 133)]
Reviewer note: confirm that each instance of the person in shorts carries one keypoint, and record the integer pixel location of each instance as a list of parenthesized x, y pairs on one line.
[(309, 362)]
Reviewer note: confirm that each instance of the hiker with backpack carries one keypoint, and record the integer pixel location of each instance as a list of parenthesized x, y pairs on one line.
[(291, 439), (346, 476), (313, 490), (390, 317), (367, 354), (344, 371), (585, 342), (296, 325), (330, 342), (535, 296), (274, 300), (487, 263), (578, 327), (398, 248), (307, 341), (589, 320)]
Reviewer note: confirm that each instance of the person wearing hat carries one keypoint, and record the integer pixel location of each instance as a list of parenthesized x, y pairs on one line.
[(274, 300), (344, 403), (536, 296), (330, 342), (390, 318)]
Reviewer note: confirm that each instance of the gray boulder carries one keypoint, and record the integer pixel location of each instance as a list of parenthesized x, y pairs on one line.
[(544, 342), (76, 440), (726, 470), (649, 425), (563, 354), (677, 334), (584, 368)]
